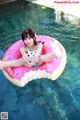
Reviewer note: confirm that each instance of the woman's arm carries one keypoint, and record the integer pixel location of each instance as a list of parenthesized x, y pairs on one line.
[(22, 51), (24, 55), (39, 48)]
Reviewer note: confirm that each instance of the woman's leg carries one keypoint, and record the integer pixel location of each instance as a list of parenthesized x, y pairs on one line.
[(13, 63), (47, 57), (19, 62)]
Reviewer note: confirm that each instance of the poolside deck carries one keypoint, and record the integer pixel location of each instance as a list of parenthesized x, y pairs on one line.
[(69, 7), (70, 10)]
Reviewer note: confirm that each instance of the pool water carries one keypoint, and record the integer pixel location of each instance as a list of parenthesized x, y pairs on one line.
[(41, 99)]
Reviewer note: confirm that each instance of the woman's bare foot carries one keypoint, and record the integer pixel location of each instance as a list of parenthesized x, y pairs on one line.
[(1, 65), (56, 49)]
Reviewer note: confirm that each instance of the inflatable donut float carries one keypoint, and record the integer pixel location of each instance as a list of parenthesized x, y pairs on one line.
[(20, 76)]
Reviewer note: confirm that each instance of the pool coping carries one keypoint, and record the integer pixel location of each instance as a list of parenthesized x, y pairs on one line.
[(6, 1), (64, 7), (70, 11)]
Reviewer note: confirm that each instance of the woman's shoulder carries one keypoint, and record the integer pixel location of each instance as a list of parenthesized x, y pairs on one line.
[(39, 44)]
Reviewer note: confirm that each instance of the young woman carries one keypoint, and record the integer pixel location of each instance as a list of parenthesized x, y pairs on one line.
[(31, 52)]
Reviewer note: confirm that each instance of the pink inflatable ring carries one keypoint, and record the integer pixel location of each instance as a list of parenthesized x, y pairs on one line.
[(20, 76)]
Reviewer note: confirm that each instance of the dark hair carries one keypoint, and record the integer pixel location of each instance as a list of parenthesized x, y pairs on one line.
[(29, 32)]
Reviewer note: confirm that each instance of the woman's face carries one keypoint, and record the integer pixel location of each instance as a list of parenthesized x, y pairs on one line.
[(29, 41)]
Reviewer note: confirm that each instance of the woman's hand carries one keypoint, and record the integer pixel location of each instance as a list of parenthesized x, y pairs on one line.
[(25, 58)]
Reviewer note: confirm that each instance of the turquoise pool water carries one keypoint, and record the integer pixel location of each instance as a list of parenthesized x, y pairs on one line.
[(42, 99)]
